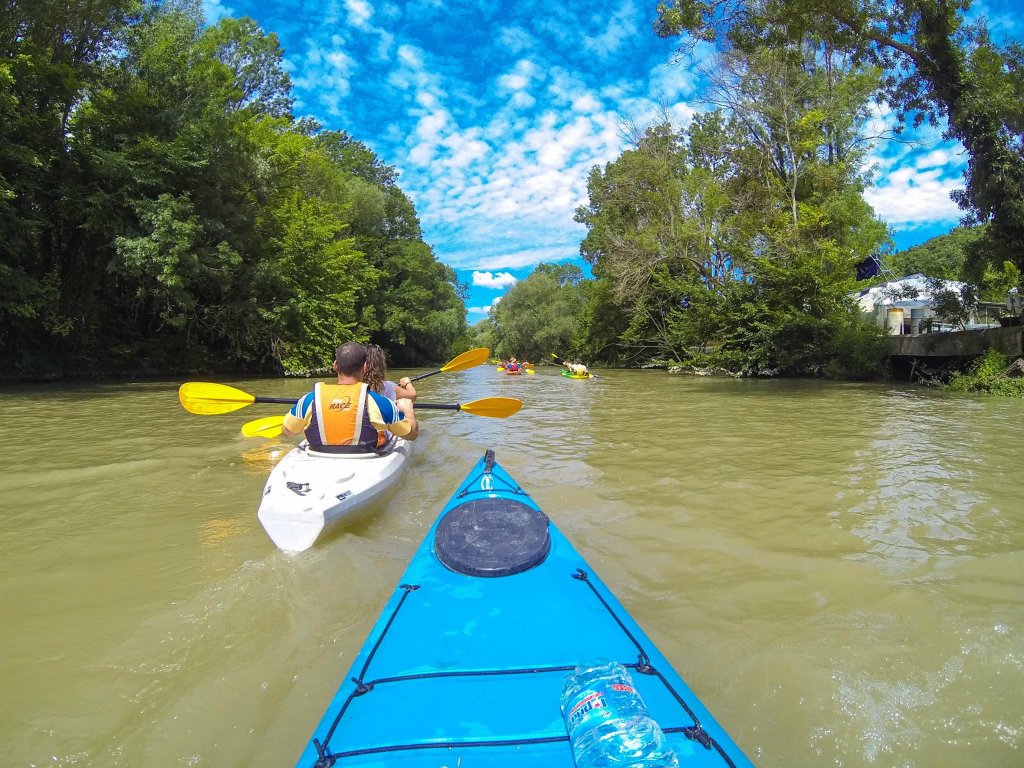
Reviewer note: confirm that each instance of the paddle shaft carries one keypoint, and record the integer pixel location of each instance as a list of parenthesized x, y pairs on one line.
[(426, 406)]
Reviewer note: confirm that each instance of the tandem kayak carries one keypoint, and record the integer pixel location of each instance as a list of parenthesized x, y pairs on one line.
[(467, 661), (308, 492), (577, 376)]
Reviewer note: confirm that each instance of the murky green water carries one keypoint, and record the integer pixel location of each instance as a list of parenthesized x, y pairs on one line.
[(837, 570)]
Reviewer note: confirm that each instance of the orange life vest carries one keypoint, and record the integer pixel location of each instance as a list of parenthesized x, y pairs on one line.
[(340, 417)]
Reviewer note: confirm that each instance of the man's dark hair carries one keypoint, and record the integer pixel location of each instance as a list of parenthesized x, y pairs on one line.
[(350, 358)]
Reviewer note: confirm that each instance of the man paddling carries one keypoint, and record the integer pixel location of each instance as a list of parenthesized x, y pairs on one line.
[(346, 417)]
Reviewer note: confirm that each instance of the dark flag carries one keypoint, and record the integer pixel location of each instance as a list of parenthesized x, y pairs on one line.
[(868, 268)]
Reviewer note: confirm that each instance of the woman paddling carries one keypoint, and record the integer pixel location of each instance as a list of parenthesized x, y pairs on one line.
[(377, 376)]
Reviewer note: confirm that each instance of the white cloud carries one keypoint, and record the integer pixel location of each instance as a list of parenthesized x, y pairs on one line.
[(432, 124), (385, 44), (513, 258), (494, 113), (215, 10), (908, 198), (360, 12), (515, 40), (615, 29), (522, 75), (483, 310), (328, 71), (521, 100), (492, 280), (938, 157), (914, 175), (669, 82), (410, 56)]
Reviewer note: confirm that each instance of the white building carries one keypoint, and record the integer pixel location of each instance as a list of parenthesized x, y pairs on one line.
[(906, 306)]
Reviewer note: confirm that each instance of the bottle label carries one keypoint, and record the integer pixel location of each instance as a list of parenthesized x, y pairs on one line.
[(586, 705), (595, 704)]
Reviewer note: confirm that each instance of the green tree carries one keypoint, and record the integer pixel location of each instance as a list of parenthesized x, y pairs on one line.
[(161, 209), (735, 244), (936, 67), (943, 257), (51, 54), (253, 66), (481, 334), (417, 309), (953, 257), (641, 243), (319, 278), (418, 304), (602, 322), (538, 316)]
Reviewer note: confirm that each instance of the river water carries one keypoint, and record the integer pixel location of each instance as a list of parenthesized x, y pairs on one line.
[(836, 569)]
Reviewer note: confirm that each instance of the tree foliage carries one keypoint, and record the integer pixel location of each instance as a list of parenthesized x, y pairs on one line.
[(538, 316), (936, 66), (161, 210), (992, 373), (953, 256), (733, 244), (943, 257)]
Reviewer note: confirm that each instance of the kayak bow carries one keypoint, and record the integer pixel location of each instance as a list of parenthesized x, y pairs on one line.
[(465, 664)]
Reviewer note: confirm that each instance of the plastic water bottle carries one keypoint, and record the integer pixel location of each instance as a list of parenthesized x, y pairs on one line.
[(608, 723)]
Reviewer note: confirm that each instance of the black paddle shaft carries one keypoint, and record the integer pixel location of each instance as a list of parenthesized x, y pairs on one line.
[(427, 406)]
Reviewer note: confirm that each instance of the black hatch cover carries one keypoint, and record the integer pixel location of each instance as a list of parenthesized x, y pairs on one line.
[(492, 537)]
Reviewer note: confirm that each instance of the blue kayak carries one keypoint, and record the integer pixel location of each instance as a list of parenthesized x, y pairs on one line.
[(467, 661)]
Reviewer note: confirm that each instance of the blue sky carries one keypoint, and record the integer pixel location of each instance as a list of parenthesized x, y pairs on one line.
[(494, 112)]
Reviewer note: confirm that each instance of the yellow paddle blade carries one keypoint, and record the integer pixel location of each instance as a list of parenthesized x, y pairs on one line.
[(470, 359), (207, 399), (530, 371), (269, 426), (494, 407)]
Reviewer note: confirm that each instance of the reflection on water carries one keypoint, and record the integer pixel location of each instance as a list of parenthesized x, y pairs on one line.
[(922, 503), (263, 457), (834, 568)]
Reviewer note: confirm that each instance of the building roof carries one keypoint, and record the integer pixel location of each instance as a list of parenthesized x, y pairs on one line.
[(909, 292)]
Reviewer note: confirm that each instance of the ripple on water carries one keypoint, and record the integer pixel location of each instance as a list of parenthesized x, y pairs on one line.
[(834, 569)]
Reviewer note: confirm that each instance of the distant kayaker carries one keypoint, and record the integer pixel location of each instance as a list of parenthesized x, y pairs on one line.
[(348, 414), (377, 376)]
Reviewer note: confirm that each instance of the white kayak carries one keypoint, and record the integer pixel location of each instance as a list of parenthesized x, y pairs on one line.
[(308, 492)]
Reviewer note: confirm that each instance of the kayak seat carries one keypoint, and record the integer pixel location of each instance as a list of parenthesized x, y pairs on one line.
[(492, 537)]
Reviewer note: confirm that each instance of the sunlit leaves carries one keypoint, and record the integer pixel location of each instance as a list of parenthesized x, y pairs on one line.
[(733, 244), (539, 316), (936, 67), (160, 208)]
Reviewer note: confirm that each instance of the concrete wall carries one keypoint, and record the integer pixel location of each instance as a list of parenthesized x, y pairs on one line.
[(1009, 341)]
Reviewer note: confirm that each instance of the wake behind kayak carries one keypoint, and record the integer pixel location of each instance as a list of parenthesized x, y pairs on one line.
[(466, 663)]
